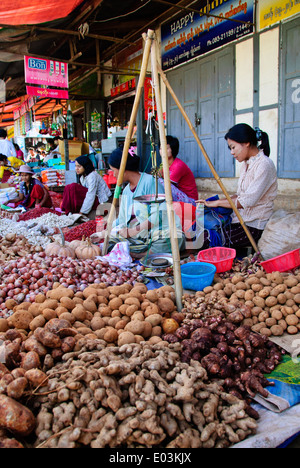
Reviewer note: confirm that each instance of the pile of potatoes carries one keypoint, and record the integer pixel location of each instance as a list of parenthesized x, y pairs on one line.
[(273, 298), (117, 314)]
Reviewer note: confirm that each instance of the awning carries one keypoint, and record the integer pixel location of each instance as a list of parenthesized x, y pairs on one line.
[(20, 12), (43, 108)]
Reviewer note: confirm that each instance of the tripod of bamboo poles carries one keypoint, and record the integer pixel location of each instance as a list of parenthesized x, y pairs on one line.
[(150, 49)]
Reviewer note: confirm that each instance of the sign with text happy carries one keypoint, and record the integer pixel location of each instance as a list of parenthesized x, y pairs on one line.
[(188, 36)]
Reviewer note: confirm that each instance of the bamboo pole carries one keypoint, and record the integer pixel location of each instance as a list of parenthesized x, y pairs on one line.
[(149, 39), (168, 190), (219, 181)]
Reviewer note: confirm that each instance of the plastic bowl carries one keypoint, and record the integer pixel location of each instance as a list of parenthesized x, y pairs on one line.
[(196, 276), (285, 262), (221, 257)]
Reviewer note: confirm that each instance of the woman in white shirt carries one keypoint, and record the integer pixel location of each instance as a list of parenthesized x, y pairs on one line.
[(85, 197), (257, 186)]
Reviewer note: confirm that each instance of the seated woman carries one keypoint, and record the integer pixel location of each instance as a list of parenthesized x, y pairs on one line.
[(184, 188), (84, 198), (144, 226), (32, 194), (6, 169), (257, 186)]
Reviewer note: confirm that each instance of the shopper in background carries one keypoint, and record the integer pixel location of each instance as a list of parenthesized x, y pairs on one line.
[(85, 197), (6, 146), (32, 194), (20, 154)]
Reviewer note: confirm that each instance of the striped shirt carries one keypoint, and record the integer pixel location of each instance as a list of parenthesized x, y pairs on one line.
[(257, 191)]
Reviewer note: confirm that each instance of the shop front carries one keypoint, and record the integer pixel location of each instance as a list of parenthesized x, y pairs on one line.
[(240, 65)]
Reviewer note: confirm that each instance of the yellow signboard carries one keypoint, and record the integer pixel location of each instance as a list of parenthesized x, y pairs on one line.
[(272, 12)]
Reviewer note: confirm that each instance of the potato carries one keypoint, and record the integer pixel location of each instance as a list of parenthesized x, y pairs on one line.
[(291, 281), (111, 335), (151, 309), (3, 325), (135, 326), (154, 340), (97, 323), (270, 322), (277, 315), (67, 316), (15, 417), (32, 344), (126, 337), (90, 305), (48, 339), (36, 377), (10, 304), (263, 316), (105, 311), (131, 309), (34, 309), (60, 292), (79, 313), (265, 332), (40, 298), (259, 302), (277, 330), (16, 388), (147, 330), (151, 296), (49, 304), (68, 303), (31, 360), (249, 295), (20, 319), (292, 330), (271, 301), (37, 322), (48, 314), (297, 298), (292, 320), (154, 319), (133, 301)]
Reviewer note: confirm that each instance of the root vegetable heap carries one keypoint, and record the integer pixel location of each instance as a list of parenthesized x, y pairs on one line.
[(136, 395), (229, 352)]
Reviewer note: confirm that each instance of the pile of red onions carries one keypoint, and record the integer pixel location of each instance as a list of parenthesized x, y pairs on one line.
[(37, 273)]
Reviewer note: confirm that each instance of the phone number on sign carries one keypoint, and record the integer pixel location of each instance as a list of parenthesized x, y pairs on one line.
[(239, 30)]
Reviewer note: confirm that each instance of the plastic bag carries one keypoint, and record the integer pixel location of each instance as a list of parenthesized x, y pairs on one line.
[(281, 234), (7, 194)]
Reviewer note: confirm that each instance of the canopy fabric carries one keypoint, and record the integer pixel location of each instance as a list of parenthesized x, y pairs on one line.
[(20, 12), (44, 107)]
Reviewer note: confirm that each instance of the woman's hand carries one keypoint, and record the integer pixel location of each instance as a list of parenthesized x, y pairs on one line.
[(209, 204), (98, 236)]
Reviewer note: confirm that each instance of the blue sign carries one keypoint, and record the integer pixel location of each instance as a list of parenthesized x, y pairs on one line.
[(192, 34), (37, 64)]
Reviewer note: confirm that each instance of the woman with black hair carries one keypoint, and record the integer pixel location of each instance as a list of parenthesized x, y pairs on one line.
[(85, 197), (257, 185), (145, 227), (184, 187)]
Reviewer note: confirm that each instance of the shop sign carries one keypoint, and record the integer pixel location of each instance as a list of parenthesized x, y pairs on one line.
[(46, 72), (46, 92), (188, 36), (123, 88), (272, 12)]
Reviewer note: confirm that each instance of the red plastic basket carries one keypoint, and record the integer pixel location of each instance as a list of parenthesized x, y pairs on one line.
[(285, 262), (221, 257)]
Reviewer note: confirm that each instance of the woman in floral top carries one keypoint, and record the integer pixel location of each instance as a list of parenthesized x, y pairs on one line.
[(257, 186)]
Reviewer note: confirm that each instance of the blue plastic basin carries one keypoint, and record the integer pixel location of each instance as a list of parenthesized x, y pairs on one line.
[(197, 275)]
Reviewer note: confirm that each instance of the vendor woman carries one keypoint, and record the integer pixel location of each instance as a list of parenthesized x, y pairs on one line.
[(257, 185), (184, 188), (32, 193), (144, 226), (84, 198)]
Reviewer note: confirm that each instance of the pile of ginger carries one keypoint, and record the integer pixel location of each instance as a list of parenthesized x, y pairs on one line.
[(136, 396)]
